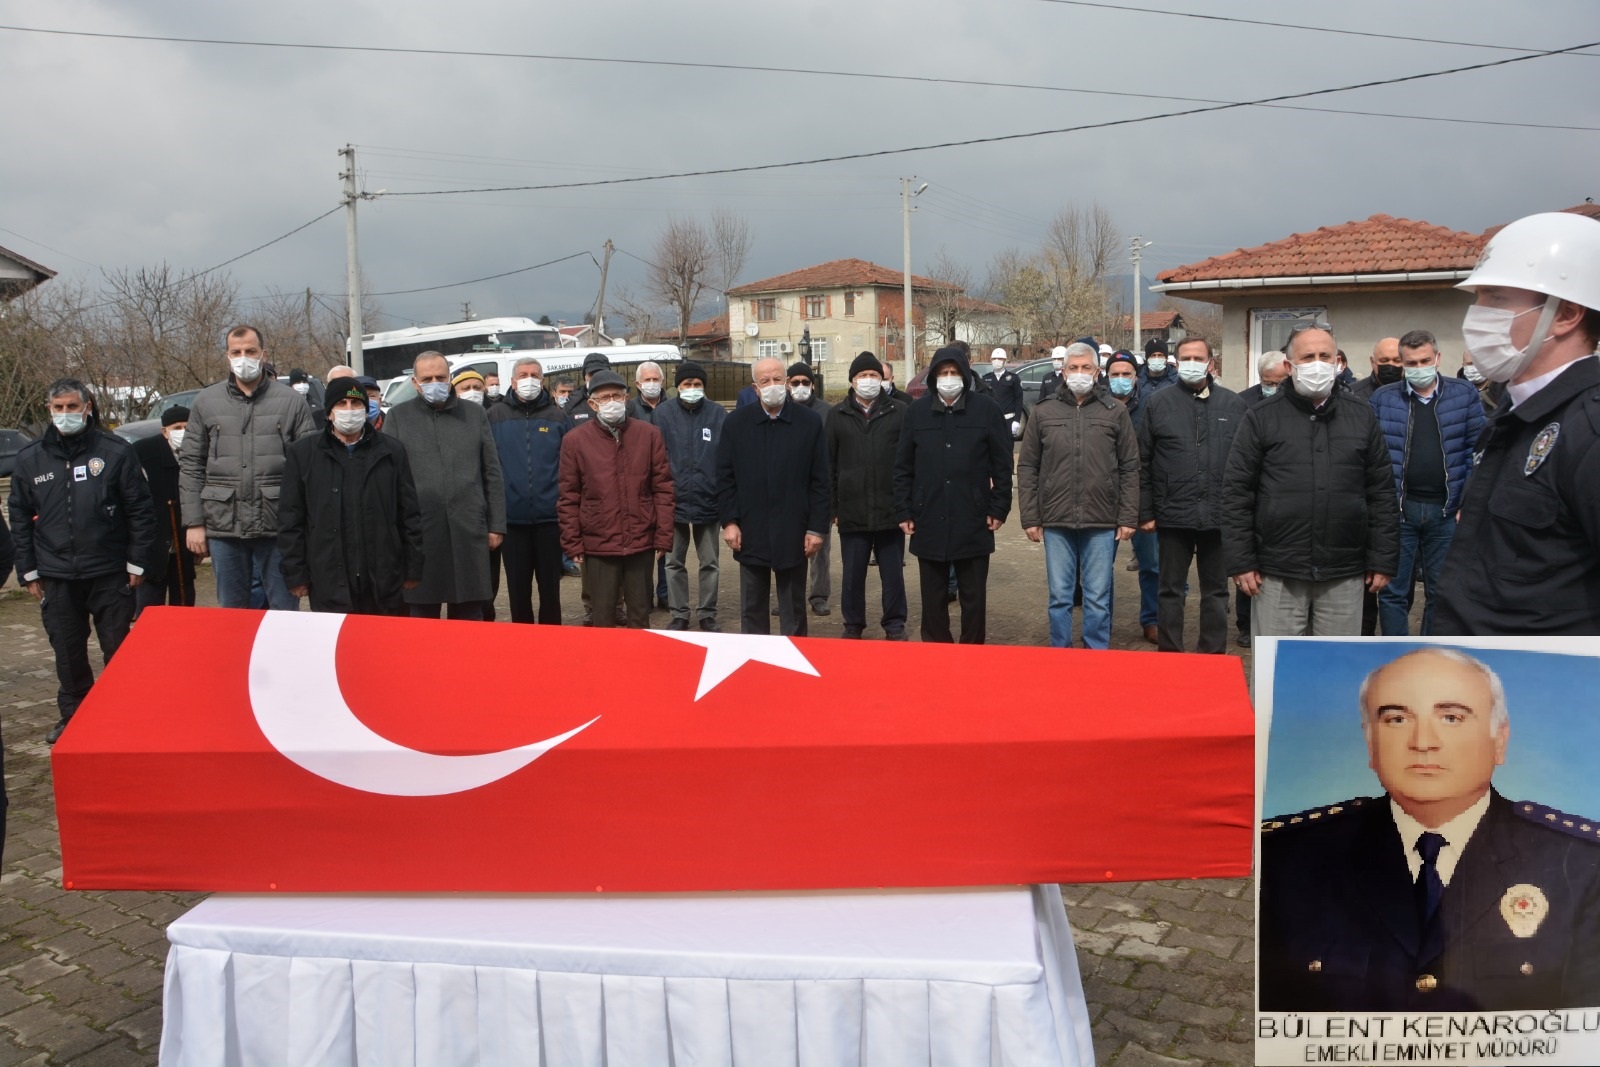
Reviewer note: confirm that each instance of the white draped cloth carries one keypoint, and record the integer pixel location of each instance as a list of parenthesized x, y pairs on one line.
[(924, 977)]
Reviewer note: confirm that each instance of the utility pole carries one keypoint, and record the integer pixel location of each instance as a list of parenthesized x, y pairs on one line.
[(600, 301), (1138, 245), (352, 265), (908, 331), (311, 335), (466, 311)]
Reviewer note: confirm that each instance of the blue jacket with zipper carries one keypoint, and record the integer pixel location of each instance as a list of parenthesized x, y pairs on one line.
[(528, 435), (1460, 415)]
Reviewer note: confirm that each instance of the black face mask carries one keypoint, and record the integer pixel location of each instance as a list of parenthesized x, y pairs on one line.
[(1388, 374)]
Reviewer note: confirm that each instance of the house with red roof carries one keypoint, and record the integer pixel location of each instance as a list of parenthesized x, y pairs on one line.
[(1371, 279), (18, 274), (842, 307)]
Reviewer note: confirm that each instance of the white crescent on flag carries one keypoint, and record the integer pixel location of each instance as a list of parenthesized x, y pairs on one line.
[(297, 702)]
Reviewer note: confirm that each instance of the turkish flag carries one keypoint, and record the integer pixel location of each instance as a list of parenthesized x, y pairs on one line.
[(250, 751)]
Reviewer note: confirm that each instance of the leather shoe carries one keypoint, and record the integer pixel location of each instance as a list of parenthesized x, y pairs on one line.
[(661, 602), (678, 624), (821, 610), (897, 635), (1243, 640), (710, 626), (1152, 634), (55, 732)]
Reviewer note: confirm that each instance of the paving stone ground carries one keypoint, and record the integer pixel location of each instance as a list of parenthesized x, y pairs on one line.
[(1167, 966)]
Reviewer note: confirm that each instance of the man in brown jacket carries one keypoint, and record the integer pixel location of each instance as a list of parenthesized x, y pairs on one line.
[(1078, 477), (616, 504)]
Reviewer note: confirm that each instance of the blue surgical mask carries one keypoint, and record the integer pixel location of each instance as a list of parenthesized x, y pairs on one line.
[(374, 409), (1268, 390), (68, 423), (1421, 377), (434, 392), (1122, 387)]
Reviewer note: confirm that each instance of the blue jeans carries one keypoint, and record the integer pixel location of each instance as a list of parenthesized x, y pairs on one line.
[(239, 562), (1146, 552), (1071, 555), (1425, 534)]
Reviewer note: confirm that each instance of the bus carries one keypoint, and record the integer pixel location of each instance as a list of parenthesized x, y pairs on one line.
[(389, 354), (566, 365)]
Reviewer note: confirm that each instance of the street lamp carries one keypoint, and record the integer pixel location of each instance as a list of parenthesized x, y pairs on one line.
[(805, 346)]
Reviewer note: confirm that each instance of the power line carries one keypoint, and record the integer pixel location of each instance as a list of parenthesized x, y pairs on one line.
[(746, 68), (485, 278), (269, 244), (998, 138), (51, 248), (1296, 26)]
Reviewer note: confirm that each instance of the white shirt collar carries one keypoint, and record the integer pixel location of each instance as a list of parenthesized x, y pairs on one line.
[(1456, 833), (1520, 392)]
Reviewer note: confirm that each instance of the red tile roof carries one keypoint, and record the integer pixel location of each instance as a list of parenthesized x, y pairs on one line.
[(1150, 320), (837, 274), (1381, 244), (708, 329)]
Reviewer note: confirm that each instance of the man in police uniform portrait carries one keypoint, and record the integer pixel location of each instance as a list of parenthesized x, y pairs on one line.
[(1441, 895)]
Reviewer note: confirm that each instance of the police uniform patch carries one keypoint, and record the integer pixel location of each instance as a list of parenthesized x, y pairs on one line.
[(96, 465), (1543, 444), (1523, 908)]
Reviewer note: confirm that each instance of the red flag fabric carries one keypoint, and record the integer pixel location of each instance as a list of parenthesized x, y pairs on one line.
[(257, 751)]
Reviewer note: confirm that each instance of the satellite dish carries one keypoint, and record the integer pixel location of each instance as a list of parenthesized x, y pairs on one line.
[(751, 329)]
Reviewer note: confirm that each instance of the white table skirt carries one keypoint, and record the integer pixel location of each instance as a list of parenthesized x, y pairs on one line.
[(957, 977)]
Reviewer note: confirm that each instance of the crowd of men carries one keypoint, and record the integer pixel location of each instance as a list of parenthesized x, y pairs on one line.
[(1326, 500)]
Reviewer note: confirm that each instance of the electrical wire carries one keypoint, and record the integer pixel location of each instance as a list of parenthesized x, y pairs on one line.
[(485, 278), (746, 68), (1296, 26), (998, 138), (269, 244), (51, 248)]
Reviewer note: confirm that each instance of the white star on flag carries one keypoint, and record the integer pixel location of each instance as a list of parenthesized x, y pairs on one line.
[(726, 653)]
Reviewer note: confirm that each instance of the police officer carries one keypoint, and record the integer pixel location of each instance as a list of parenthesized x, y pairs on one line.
[(1005, 389), (1441, 895), (84, 528), (1052, 381), (1526, 556)]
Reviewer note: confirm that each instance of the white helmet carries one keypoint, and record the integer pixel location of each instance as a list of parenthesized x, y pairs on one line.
[(1058, 352), (998, 353), (1555, 252)]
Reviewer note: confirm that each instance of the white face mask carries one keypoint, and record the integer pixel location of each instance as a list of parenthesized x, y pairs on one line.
[(999, 366), (1157, 365), (868, 388), (772, 395), (175, 439), (561, 401), (1315, 379), (949, 388), (434, 392), (1058, 364), (1471, 373), (801, 393), (69, 423), (529, 388), (691, 395), (493, 391), (244, 368), (613, 412), (1080, 383), (1487, 332), (349, 420), (301, 387), (650, 390), (1192, 372), (472, 396)]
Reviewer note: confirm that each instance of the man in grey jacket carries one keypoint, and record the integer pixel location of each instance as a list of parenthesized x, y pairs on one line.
[(1078, 477), (231, 469), (457, 471)]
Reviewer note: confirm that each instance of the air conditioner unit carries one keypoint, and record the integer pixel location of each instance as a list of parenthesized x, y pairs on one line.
[(785, 347)]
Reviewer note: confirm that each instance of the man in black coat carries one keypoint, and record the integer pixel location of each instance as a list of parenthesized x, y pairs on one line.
[(1184, 440), (84, 527), (804, 391), (1005, 389), (952, 490), (349, 525), (1309, 512), (169, 573), (1441, 895), (772, 498), (863, 437), (1051, 383), (8, 559)]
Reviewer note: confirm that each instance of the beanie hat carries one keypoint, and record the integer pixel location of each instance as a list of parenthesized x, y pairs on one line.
[(686, 370), (298, 375), (178, 414), (467, 375), (1122, 357), (595, 361), (1154, 345), (344, 389), (865, 361), (800, 370)]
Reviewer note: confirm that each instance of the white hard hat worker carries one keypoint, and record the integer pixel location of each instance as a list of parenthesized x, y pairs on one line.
[(1536, 283), (1524, 554)]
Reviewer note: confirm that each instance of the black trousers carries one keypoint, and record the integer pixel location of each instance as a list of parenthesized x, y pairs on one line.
[(532, 553), (494, 583), (626, 578), (177, 589), (1178, 548), (1241, 612), (972, 589), (755, 599), (471, 610), (68, 606), (854, 551)]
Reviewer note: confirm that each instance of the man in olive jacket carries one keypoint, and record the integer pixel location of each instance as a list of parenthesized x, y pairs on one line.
[(456, 468), (350, 528), (231, 470), (952, 491), (863, 437), (1079, 480)]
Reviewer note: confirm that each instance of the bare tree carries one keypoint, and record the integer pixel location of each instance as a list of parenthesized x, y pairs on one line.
[(638, 317), (39, 333), (945, 307), (730, 242), (690, 257)]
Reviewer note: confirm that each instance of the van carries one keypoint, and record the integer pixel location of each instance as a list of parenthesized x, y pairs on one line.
[(564, 364)]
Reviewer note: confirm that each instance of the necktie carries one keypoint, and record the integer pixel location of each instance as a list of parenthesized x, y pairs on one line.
[(1429, 888)]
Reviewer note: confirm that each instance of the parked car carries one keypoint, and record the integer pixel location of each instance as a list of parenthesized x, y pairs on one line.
[(11, 442), (150, 425)]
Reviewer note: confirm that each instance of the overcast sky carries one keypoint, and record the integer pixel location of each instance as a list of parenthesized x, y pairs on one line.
[(127, 153)]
